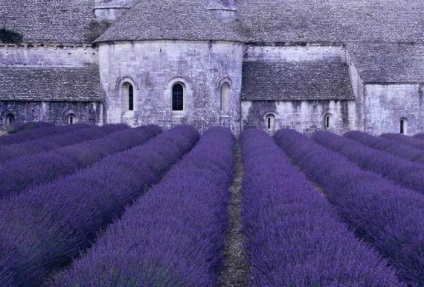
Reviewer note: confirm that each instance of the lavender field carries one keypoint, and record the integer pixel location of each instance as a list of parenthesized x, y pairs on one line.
[(116, 206)]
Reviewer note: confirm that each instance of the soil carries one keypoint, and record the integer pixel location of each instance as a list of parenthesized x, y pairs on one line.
[(234, 271)]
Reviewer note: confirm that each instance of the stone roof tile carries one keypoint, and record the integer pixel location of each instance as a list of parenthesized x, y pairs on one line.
[(287, 81), (385, 62), (50, 84), (48, 21), (275, 21)]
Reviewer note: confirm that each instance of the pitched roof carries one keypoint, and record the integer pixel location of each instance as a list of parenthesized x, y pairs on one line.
[(170, 20), (50, 84), (62, 21), (275, 21), (286, 81), (385, 62), (332, 20)]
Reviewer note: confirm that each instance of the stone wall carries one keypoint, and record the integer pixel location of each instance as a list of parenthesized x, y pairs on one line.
[(358, 90), (303, 116), (386, 104), (152, 67), (47, 55), (35, 56), (54, 112), (307, 112), (293, 53)]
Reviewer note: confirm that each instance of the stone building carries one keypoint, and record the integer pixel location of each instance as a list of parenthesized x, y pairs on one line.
[(309, 65)]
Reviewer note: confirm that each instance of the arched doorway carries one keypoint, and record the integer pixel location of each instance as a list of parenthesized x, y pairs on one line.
[(403, 126), (9, 120), (71, 119)]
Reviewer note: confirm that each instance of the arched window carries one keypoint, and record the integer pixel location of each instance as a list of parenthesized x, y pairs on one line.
[(127, 97), (270, 122), (131, 98), (71, 119), (327, 121), (10, 119), (225, 97), (403, 126), (178, 97)]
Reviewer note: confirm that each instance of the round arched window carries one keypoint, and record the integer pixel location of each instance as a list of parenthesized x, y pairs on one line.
[(127, 95), (225, 97), (178, 97), (403, 126), (327, 121), (270, 122), (71, 119)]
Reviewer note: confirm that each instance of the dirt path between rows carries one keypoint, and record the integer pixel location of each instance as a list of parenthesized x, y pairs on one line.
[(234, 270)]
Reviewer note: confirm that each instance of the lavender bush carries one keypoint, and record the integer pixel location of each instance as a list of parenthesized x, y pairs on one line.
[(388, 217), (24, 172), (29, 135), (406, 140), (19, 126), (386, 145), (12, 151), (172, 236), (401, 171), (46, 227), (419, 136), (294, 237)]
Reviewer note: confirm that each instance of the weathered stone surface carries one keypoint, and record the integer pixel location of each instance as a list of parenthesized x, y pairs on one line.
[(385, 105), (49, 111), (58, 21), (303, 116), (55, 84), (153, 67), (275, 21), (268, 78), (360, 61)]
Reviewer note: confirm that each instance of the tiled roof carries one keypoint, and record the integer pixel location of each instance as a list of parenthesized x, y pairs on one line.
[(388, 62), (275, 21), (47, 21), (307, 80), (50, 84)]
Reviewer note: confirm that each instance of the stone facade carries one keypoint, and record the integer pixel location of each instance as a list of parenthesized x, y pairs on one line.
[(49, 111), (154, 67), (302, 64), (50, 83), (386, 105), (304, 116)]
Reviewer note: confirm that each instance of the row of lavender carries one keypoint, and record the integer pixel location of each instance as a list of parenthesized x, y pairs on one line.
[(172, 236), (26, 171), (386, 216), (45, 227), (355, 146), (293, 235), (20, 126), (38, 133), (390, 143), (13, 151)]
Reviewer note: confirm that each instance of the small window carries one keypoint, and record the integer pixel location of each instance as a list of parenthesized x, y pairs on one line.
[(327, 121), (71, 119), (403, 126), (178, 97), (270, 122), (10, 120), (127, 95), (225, 98), (131, 98)]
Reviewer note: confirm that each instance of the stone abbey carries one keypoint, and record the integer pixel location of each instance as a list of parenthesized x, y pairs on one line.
[(308, 65)]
